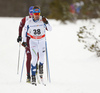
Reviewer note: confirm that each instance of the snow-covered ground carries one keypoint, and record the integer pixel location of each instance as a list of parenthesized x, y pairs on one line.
[(73, 69)]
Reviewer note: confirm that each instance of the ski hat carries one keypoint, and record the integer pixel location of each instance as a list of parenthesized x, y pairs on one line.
[(36, 10), (31, 9)]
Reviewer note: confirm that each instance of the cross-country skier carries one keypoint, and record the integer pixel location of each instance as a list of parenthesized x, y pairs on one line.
[(35, 29), (19, 39)]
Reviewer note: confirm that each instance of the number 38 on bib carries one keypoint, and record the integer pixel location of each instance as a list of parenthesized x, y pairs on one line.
[(36, 32)]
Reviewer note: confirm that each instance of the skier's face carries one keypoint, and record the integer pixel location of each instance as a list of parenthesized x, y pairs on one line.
[(36, 16)]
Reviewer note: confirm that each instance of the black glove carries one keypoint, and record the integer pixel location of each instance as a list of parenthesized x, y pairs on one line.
[(44, 20), (24, 44), (19, 39)]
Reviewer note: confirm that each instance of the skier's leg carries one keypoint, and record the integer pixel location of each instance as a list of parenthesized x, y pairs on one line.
[(28, 60), (41, 57), (33, 48)]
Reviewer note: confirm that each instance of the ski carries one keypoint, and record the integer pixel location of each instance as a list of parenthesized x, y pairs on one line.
[(43, 82), (40, 80)]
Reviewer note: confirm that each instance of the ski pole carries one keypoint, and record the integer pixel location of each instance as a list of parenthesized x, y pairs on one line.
[(47, 63), (22, 66), (24, 55), (18, 58)]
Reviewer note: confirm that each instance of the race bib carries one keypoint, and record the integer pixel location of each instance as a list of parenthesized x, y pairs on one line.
[(36, 30)]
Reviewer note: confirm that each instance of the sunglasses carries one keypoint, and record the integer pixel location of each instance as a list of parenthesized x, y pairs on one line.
[(36, 13)]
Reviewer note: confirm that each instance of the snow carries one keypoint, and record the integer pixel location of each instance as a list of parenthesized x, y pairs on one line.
[(73, 69)]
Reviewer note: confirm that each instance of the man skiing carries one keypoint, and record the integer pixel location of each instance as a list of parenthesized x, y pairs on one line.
[(19, 39), (35, 29)]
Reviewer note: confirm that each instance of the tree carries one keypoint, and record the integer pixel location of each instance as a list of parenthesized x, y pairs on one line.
[(59, 10)]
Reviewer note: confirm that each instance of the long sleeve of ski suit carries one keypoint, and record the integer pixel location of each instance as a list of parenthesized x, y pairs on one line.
[(48, 27), (22, 23), (25, 32)]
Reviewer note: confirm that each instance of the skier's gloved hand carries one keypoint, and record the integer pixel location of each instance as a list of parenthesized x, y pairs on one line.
[(24, 44), (44, 20), (19, 39)]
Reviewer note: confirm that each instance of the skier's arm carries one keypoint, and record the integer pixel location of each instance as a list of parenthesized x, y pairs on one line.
[(24, 33), (24, 43), (48, 27), (22, 23)]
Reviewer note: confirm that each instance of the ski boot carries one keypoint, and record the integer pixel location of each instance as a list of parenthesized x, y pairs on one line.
[(41, 74), (34, 80), (28, 79), (41, 70)]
